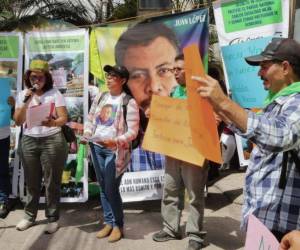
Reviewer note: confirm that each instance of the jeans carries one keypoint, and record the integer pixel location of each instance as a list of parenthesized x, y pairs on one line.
[(43, 157), (105, 168), (4, 170)]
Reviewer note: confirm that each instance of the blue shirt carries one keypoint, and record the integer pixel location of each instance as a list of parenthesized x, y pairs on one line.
[(275, 130)]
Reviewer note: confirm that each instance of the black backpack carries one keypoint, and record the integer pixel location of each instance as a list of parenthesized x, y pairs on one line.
[(282, 179), (136, 142)]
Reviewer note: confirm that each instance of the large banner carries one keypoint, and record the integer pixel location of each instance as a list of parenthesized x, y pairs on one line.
[(148, 49), (11, 53), (238, 21), (67, 55), (245, 27)]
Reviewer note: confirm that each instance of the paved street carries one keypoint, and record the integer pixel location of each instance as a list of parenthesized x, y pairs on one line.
[(80, 222)]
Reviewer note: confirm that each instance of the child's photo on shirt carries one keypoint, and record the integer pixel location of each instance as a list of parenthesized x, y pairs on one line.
[(106, 116)]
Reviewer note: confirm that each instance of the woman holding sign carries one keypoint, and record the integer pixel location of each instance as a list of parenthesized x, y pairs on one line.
[(43, 149), (111, 126)]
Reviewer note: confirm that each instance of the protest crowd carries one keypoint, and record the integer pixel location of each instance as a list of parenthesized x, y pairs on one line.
[(150, 62)]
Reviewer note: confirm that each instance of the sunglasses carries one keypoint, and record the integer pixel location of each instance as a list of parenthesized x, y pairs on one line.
[(37, 78)]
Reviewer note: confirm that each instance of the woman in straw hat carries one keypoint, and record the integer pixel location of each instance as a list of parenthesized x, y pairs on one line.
[(43, 149)]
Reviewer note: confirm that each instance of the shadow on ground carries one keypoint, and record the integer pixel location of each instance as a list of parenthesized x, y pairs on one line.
[(226, 232)]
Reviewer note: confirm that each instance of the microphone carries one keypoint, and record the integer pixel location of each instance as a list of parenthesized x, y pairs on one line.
[(33, 89)]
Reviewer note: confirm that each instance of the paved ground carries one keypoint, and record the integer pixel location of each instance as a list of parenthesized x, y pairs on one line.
[(80, 222)]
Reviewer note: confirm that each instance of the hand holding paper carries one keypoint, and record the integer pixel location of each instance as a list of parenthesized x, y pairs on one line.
[(37, 114), (202, 120)]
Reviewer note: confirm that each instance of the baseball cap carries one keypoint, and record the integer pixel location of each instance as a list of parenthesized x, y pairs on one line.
[(282, 49), (39, 65), (119, 70)]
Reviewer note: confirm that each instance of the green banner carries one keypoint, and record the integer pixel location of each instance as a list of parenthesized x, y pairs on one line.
[(9, 47), (244, 14), (46, 44)]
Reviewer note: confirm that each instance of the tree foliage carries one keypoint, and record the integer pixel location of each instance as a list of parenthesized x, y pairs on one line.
[(27, 14), (124, 10)]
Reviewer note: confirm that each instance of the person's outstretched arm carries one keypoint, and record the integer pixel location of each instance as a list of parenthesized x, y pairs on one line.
[(228, 110)]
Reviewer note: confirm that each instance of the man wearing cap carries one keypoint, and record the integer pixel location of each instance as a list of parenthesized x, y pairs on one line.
[(272, 185), (109, 143)]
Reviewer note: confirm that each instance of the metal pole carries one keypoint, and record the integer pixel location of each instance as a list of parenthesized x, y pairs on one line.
[(292, 17), (104, 9)]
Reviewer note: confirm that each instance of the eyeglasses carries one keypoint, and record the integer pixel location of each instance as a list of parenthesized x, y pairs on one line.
[(177, 69), (111, 75), (139, 76), (35, 78)]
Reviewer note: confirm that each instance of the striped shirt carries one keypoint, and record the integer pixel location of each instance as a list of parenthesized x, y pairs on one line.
[(275, 130)]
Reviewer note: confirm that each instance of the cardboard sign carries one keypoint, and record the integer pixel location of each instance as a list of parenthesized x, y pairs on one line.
[(169, 132), (202, 121)]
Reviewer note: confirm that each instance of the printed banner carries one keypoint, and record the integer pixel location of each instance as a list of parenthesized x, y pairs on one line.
[(11, 63), (142, 185), (244, 28), (238, 21), (67, 55), (148, 50)]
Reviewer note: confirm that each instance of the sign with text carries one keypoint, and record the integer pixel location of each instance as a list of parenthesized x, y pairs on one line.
[(5, 108), (67, 55), (142, 185), (202, 121), (169, 132), (246, 87), (239, 21), (167, 36), (259, 237), (245, 14)]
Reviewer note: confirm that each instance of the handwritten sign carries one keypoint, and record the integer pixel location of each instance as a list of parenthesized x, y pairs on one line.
[(245, 85), (202, 121), (5, 109), (169, 132), (259, 237)]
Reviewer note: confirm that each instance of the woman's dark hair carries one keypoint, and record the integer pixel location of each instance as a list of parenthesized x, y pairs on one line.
[(48, 80), (296, 69), (126, 89), (142, 34)]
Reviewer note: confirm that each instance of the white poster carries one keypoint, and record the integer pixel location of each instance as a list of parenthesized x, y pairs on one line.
[(67, 53), (244, 28), (142, 185), (238, 21)]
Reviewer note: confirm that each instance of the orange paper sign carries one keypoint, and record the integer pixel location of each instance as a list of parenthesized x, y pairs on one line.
[(202, 121), (169, 132)]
